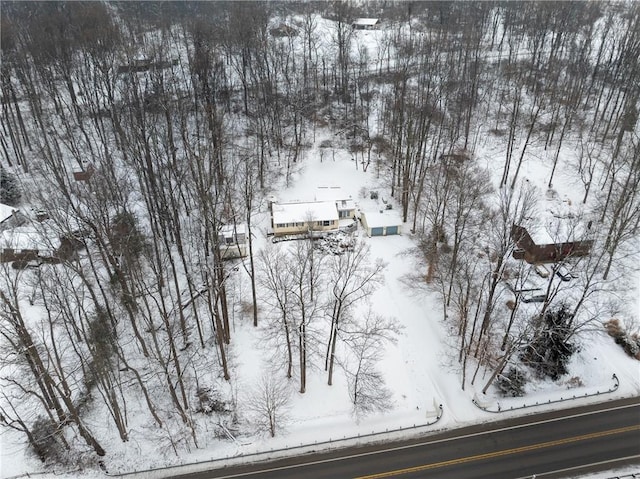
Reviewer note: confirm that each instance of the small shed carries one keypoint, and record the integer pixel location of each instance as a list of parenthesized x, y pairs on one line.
[(233, 241), (382, 223)]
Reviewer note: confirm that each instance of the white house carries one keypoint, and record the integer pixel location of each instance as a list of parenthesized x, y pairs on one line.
[(297, 218), (233, 241), (365, 23), (383, 223)]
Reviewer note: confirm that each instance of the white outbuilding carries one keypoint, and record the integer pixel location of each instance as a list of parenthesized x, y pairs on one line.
[(381, 223)]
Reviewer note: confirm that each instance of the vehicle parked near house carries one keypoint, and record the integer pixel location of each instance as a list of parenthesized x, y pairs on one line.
[(563, 273), (27, 264), (534, 298), (541, 270)]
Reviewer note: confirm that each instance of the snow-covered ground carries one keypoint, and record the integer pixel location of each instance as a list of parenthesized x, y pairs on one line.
[(420, 369)]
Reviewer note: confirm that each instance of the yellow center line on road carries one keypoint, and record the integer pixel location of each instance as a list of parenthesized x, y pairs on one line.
[(504, 452)]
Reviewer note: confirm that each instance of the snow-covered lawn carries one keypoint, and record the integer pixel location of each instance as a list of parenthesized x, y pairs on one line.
[(421, 369)]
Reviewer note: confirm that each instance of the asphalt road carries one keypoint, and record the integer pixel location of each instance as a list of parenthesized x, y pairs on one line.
[(549, 445)]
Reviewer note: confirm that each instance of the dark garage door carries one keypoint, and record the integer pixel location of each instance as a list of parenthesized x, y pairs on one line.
[(392, 230), (377, 231)]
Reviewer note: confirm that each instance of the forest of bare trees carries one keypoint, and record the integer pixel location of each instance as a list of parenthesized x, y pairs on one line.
[(184, 114)]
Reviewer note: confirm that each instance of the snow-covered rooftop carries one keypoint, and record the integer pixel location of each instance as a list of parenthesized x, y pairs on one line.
[(239, 229), (301, 212), (5, 212), (27, 238), (366, 21), (555, 230), (346, 205), (384, 218)]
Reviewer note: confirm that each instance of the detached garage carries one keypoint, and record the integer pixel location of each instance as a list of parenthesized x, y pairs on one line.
[(384, 223)]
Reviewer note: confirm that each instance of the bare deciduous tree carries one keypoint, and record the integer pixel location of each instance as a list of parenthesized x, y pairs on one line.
[(351, 278), (269, 403), (366, 339), (278, 285)]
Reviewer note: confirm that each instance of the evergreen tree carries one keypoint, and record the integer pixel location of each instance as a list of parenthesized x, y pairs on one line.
[(550, 350), (512, 383)]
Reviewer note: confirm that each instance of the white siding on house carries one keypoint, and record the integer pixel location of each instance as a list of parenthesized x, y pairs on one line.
[(294, 218), (346, 209)]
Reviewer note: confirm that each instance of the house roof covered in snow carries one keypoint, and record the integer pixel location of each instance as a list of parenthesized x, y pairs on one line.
[(301, 212), (6, 211), (229, 230), (366, 22), (28, 237), (346, 205), (556, 231)]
